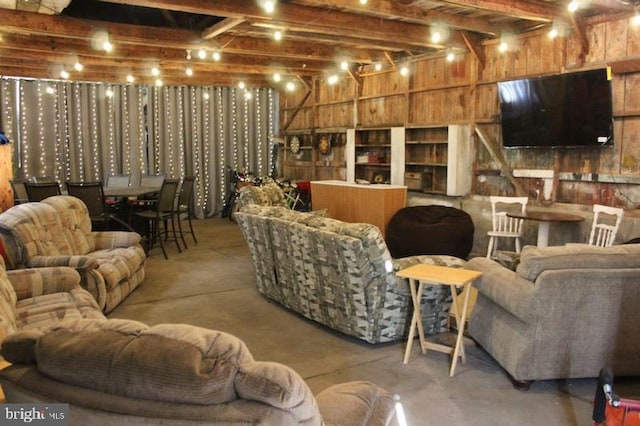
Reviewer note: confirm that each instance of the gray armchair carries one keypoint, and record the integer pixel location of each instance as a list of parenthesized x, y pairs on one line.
[(565, 312)]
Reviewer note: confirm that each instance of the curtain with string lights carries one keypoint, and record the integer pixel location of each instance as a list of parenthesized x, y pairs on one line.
[(86, 131)]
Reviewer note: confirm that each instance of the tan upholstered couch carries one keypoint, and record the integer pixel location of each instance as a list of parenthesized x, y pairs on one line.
[(116, 372), (38, 298), (57, 232), (566, 312)]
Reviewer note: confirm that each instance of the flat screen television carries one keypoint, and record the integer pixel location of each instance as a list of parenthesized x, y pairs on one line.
[(564, 110)]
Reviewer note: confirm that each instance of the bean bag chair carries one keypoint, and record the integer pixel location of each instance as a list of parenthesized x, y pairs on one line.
[(430, 230)]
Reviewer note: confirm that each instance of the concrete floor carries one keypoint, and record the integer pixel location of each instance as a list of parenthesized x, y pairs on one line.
[(212, 284)]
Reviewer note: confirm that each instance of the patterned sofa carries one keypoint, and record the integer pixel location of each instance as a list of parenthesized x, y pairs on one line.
[(269, 194), (173, 374), (338, 274), (57, 232)]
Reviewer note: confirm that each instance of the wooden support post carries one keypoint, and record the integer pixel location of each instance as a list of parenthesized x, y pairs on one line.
[(498, 155)]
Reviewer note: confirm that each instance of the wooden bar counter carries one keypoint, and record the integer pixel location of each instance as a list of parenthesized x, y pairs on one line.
[(351, 202)]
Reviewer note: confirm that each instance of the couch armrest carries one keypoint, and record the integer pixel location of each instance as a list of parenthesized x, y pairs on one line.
[(38, 281), (75, 261), (356, 402), (115, 239), (505, 288)]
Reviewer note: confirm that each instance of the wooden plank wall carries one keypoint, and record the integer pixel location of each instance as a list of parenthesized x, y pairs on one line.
[(439, 92)]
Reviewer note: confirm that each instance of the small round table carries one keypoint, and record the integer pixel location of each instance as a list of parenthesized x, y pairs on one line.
[(544, 218)]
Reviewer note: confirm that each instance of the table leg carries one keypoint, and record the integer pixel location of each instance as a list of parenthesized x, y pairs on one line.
[(543, 234), (461, 317), (415, 320)]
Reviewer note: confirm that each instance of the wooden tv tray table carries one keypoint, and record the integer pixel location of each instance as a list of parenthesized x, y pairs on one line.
[(423, 274)]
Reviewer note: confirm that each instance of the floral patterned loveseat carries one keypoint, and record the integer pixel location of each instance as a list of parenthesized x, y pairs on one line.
[(338, 274), (57, 232)]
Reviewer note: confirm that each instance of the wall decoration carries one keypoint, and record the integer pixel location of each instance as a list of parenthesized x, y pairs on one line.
[(324, 145)]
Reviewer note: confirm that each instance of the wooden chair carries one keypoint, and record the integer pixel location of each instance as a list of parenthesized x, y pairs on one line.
[(504, 226), (158, 216), (92, 195), (40, 191), (606, 221), (183, 207)]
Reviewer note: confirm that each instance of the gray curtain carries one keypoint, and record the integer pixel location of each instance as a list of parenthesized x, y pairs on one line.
[(86, 131)]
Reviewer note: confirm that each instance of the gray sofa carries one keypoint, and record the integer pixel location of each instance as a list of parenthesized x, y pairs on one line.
[(338, 274), (117, 372), (566, 312)]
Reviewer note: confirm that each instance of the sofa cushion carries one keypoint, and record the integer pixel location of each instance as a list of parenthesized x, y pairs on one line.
[(75, 220), (534, 260), (45, 311)]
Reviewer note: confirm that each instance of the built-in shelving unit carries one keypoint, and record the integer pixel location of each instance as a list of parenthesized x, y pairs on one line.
[(437, 159), (375, 155)]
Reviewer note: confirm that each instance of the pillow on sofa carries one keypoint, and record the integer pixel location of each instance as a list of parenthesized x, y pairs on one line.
[(534, 260)]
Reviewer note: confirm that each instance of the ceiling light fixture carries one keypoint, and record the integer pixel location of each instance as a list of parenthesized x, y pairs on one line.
[(155, 71), (159, 82), (404, 70), (333, 79), (78, 66), (130, 78), (277, 36), (216, 55), (451, 57), (291, 86), (269, 6), (189, 72), (344, 65), (277, 77), (363, 1), (553, 33), (503, 47), (202, 54), (241, 85), (64, 74), (188, 54), (377, 66), (107, 46), (573, 6)]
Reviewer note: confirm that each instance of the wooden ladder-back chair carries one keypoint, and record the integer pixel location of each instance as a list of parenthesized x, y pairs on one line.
[(504, 226), (606, 222)]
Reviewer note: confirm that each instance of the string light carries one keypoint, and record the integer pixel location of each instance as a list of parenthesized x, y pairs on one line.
[(181, 137), (245, 114), (41, 138), (170, 140), (94, 132), (203, 193), (142, 153), (195, 143), (271, 159), (234, 129), (24, 126), (221, 148), (259, 124), (113, 149), (126, 128), (156, 130), (79, 133)]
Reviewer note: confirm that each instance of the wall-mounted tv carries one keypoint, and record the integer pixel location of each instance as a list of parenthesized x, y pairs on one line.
[(564, 110)]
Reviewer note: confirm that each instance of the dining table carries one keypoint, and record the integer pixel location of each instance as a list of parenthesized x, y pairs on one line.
[(544, 219), (130, 191)]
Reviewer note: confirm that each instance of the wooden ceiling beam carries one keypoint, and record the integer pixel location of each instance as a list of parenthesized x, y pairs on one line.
[(303, 18), (514, 8), (67, 50), (405, 13), (221, 27)]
